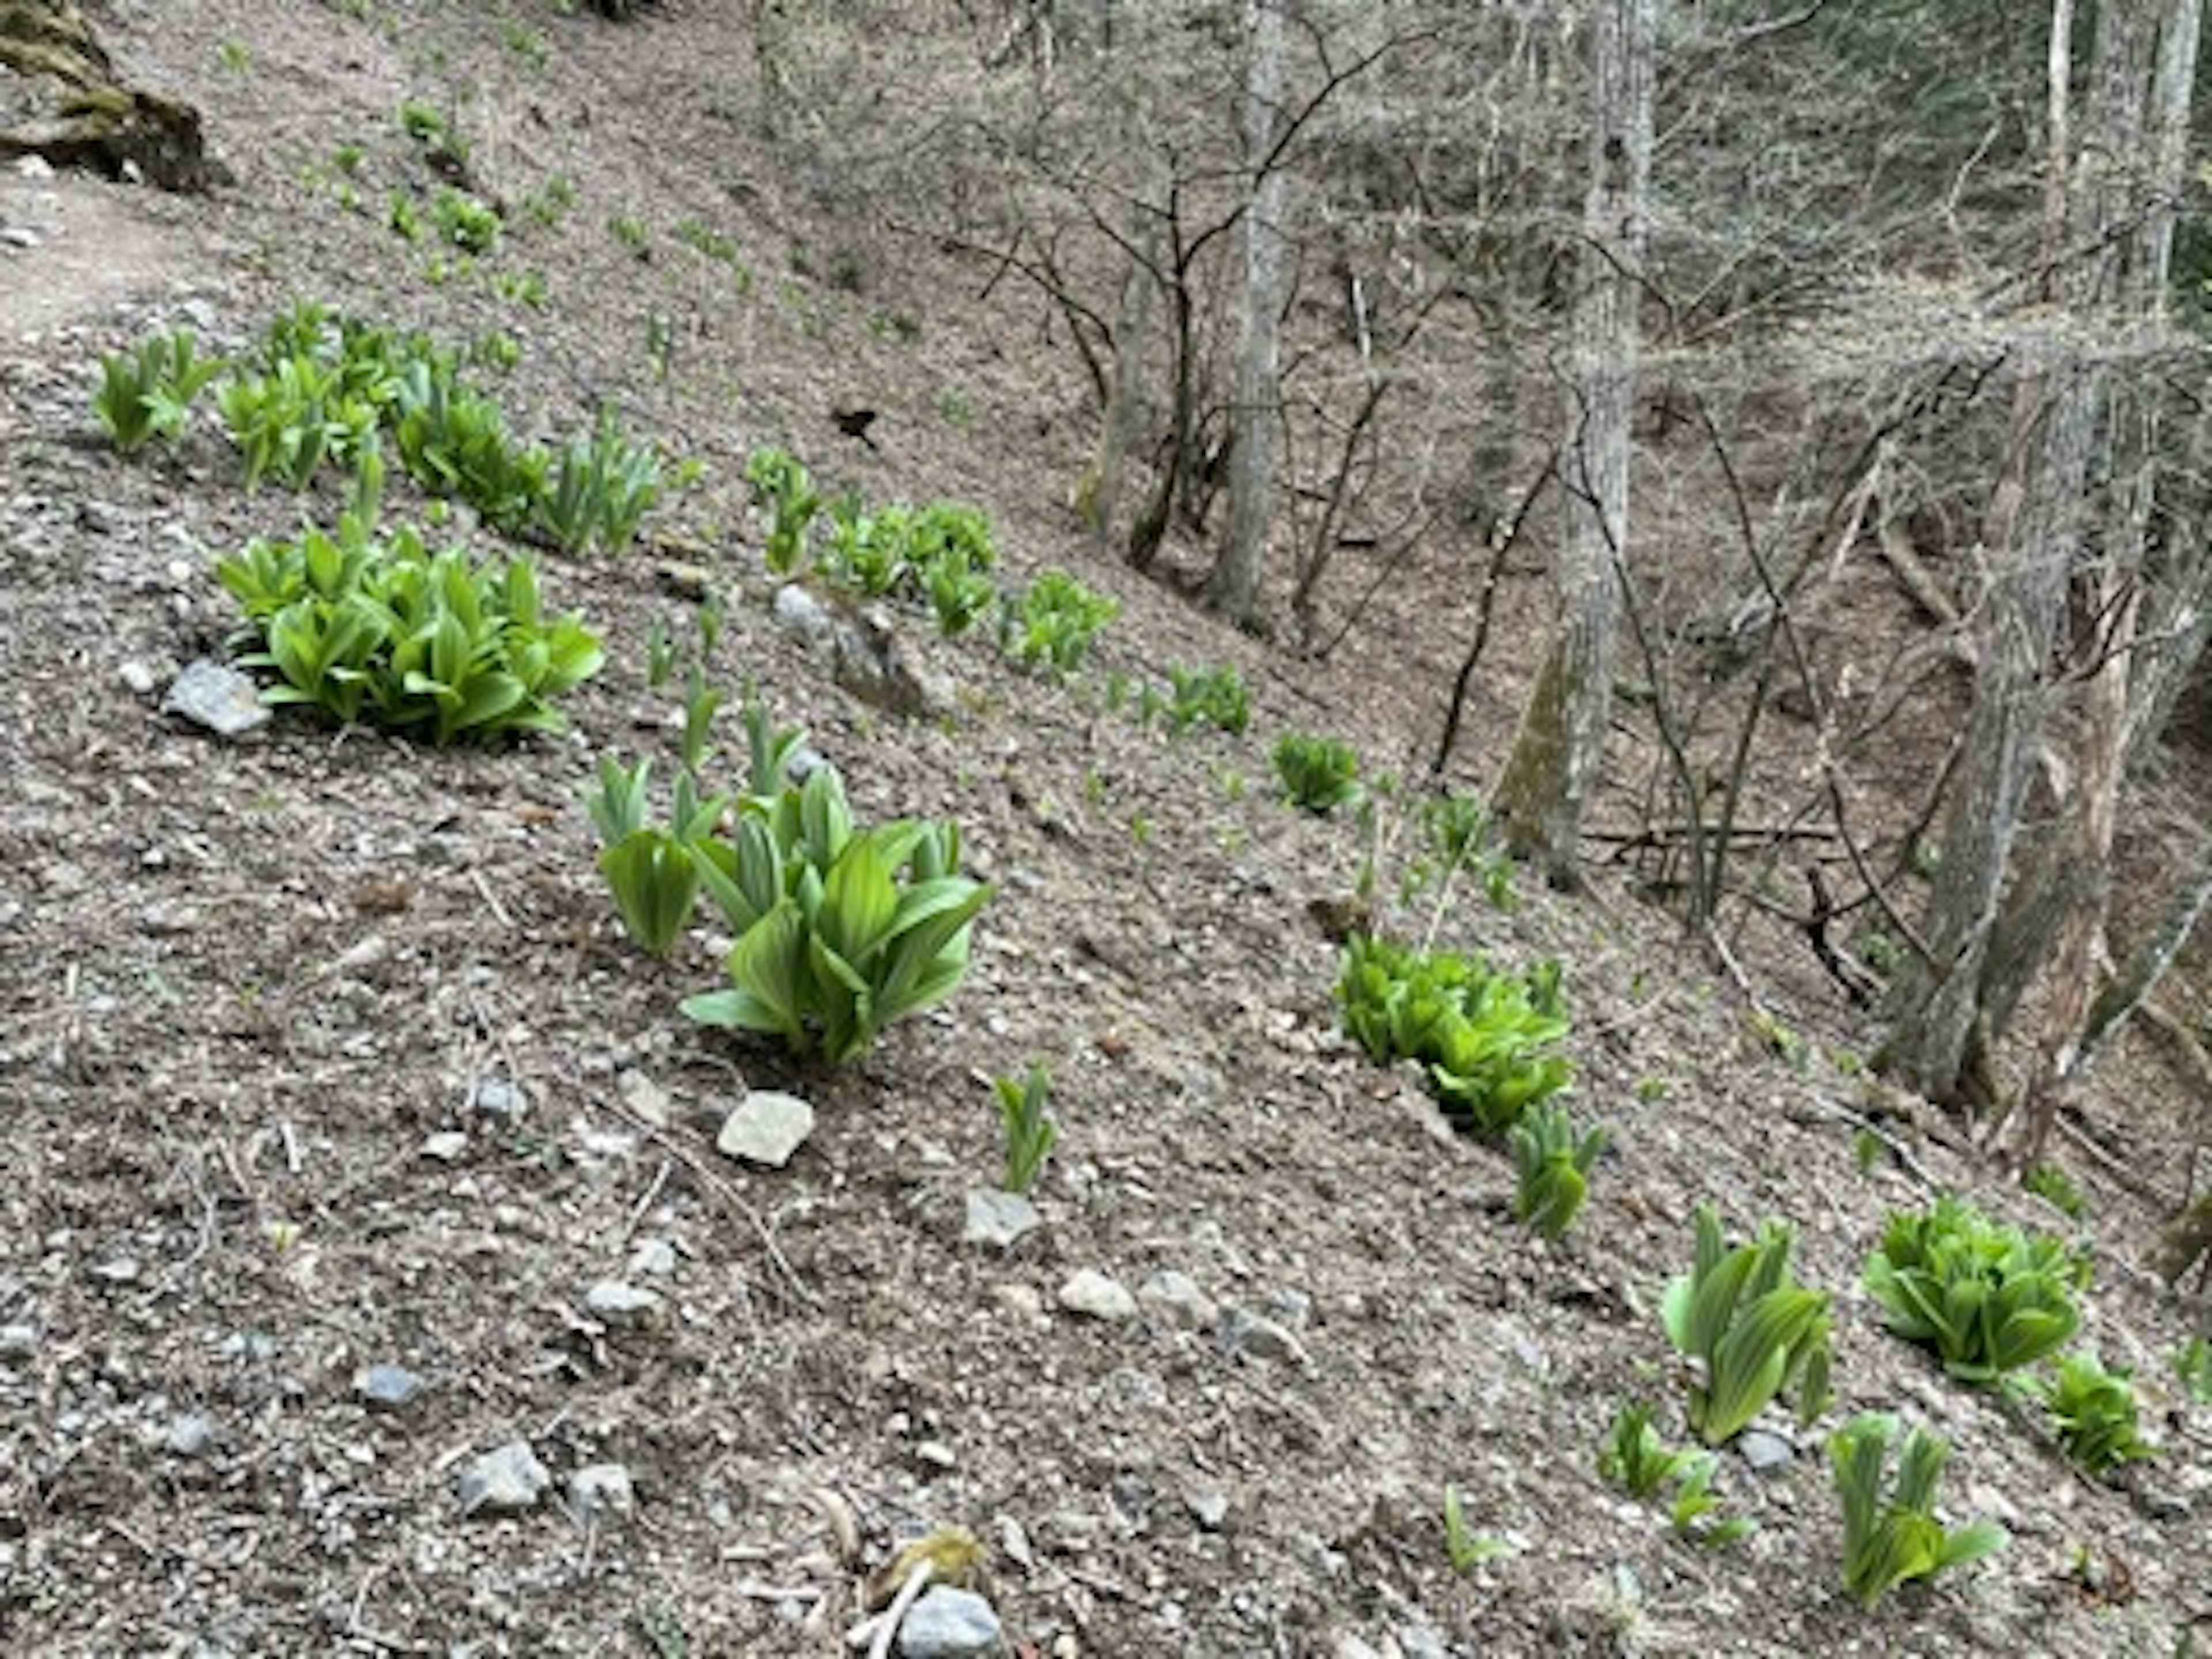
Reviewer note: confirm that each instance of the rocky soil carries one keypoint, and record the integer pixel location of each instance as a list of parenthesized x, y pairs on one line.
[(371, 1279)]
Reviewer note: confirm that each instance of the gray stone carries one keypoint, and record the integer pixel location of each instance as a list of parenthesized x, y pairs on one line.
[(1764, 1450), (495, 1097), (602, 1490), (656, 1256), (221, 698), (645, 1098), (1254, 1333), (622, 1304), (765, 1127), (950, 1624), (18, 1340), (800, 613), (1174, 1299), (503, 1482), (137, 677), (188, 1436), (998, 1219), (446, 1145), (1094, 1296), (386, 1387), (1208, 1505), (21, 236)]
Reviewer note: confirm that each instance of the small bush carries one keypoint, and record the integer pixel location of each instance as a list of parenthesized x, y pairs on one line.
[(1215, 696), (1485, 1039), (1891, 1534), (1753, 1331), (1318, 774), (1054, 621), (2094, 1413), (1552, 1163), (1989, 1299), (390, 633), (148, 392)]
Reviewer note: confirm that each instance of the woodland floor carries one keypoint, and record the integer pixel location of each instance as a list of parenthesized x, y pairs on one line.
[(242, 983)]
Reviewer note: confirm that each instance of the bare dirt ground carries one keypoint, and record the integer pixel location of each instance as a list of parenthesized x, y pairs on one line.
[(319, 1052)]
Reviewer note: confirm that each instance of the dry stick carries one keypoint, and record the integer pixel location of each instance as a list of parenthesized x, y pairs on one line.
[(887, 1621), (723, 1190)]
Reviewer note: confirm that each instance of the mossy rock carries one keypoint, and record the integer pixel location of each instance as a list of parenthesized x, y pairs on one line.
[(92, 121)]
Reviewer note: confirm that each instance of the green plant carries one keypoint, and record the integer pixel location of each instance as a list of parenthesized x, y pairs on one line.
[(404, 217), (841, 931), (599, 490), (469, 224), (2051, 1183), (653, 871), (1988, 1299), (660, 655), (1318, 774), (867, 552), (1691, 1513), (2094, 1413), (1869, 1150), (1030, 1132), (1484, 1040), (1462, 836), (780, 484), (148, 392), (551, 200), (432, 129), (952, 551), (2192, 1368), (425, 644), (629, 230), (286, 421), (1216, 695), (524, 43), (1636, 1456), (1464, 1548), (1750, 1329), (454, 441), (235, 56), (1892, 1536), (705, 240), (526, 288), (1054, 621), (1551, 1163)]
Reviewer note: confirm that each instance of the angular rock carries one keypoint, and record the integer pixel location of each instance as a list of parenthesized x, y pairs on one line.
[(800, 613), (386, 1387), (189, 1435), (1254, 1333), (950, 1624), (618, 1303), (446, 1145), (1095, 1296), (998, 1218), (223, 700), (765, 1127), (503, 1482), (495, 1097), (1764, 1450)]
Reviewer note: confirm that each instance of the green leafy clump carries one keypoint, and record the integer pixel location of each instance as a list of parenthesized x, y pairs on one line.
[(147, 392), (286, 423), (953, 553), (599, 490), (1216, 695), (1031, 1132), (782, 485), (2193, 1368), (2094, 1413), (1485, 1039), (867, 552), (432, 129), (1891, 1536), (1988, 1299), (1552, 1163), (431, 645), (2051, 1183), (1054, 621), (1636, 1457), (1318, 774), (1750, 1329), (841, 930), (454, 441), (469, 225), (1465, 1548)]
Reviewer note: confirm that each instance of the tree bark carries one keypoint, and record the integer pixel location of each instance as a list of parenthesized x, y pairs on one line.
[(1233, 587), (1558, 752)]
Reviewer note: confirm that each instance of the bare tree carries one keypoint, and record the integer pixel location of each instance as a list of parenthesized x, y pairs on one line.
[(1560, 749)]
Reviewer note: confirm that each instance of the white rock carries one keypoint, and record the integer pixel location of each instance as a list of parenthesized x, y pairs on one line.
[(446, 1145), (603, 1489), (1174, 1299), (503, 1481), (1254, 1333), (1094, 1296), (950, 1624), (999, 1218), (765, 1127), (622, 1304), (647, 1099)]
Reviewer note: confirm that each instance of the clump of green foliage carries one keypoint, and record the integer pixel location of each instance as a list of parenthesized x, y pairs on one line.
[(1486, 1041), (867, 551), (1461, 835), (2051, 1183), (1891, 1534), (780, 484), (1636, 1457), (1052, 621), (2193, 1368), (2095, 1414), (1031, 1132), (432, 645), (469, 225), (1465, 1548), (1317, 775), (952, 552), (147, 392), (433, 130), (1552, 1162), (599, 490), (1988, 1299), (1750, 1329), (1217, 696)]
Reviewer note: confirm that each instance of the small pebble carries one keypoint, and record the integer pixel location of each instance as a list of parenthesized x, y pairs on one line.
[(503, 1481), (189, 1435), (386, 1387), (1094, 1296)]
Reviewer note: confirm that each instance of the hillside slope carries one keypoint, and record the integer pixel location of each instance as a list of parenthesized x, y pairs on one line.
[(321, 1052)]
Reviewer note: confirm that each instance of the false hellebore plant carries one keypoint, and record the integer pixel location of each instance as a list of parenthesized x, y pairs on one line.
[(1751, 1329)]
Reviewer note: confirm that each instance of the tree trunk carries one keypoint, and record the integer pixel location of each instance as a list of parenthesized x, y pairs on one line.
[(1559, 751), (1234, 584)]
